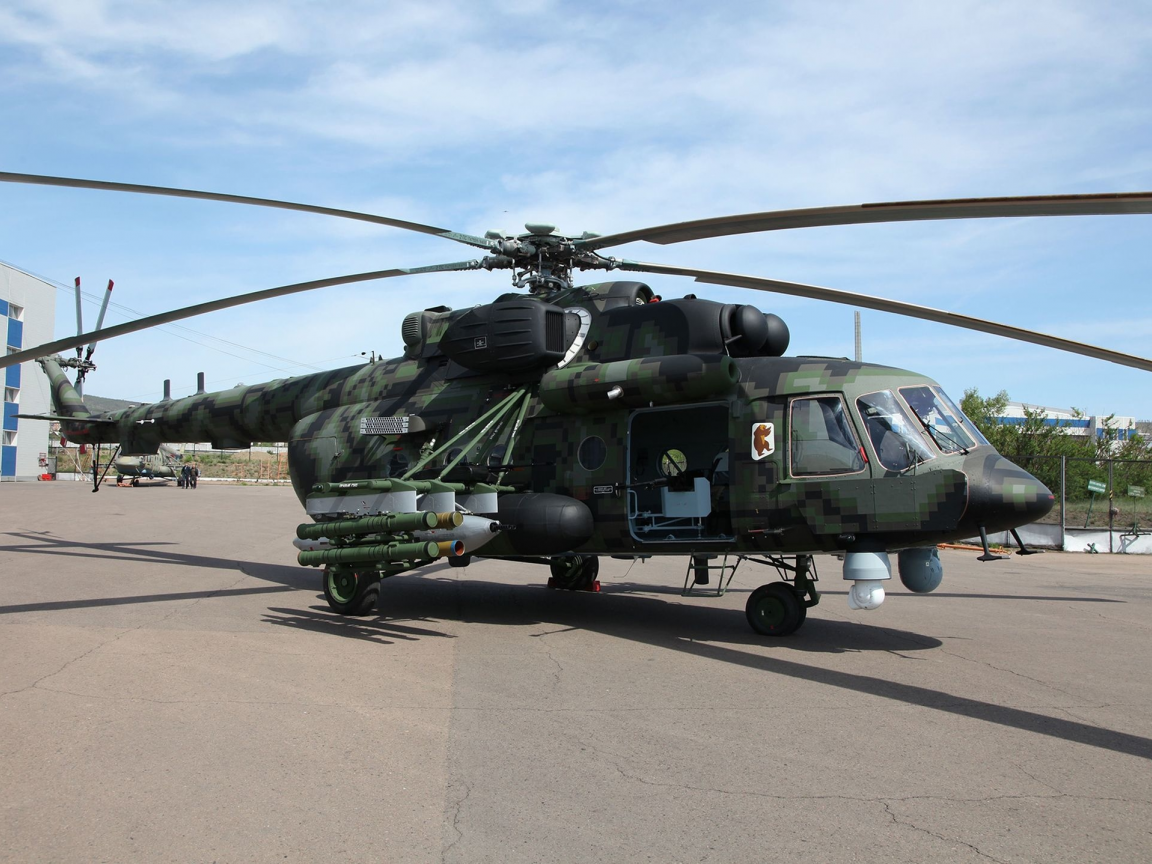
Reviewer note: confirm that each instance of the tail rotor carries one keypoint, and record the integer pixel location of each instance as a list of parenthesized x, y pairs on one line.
[(83, 361)]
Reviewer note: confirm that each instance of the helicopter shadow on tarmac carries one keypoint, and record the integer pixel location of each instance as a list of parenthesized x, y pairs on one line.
[(619, 611), (706, 633), (320, 619), (46, 544)]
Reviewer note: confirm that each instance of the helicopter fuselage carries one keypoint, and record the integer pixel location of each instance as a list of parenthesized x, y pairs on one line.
[(686, 449)]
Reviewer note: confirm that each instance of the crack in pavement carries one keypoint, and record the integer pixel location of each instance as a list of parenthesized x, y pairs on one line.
[(612, 759), (150, 623), (555, 675), (1037, 780), (45, 677), (941, 837), (457, 809), (988, 665)]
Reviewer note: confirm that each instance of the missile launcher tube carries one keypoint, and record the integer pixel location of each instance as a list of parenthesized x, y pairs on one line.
[(378, 553), (382, 524)]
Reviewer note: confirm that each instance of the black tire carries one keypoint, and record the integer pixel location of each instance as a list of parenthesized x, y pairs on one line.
[(775, 610), (574, 572), (351, 593)]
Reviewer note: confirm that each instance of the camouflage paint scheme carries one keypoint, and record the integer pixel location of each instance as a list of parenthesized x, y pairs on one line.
[(669, 386), (154, 467)]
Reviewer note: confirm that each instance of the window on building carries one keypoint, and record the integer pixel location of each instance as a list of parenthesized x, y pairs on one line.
[(11, 394)]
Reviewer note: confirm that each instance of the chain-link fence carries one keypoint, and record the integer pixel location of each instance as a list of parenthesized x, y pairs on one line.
[(1106, 494), (254, 465)]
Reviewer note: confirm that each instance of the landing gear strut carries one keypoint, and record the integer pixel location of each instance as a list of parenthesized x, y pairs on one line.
[(780, 608)]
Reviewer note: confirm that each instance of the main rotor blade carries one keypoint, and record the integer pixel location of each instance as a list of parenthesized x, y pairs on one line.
[(215, 305), (1111, 203), (74, 183), (897, 307)]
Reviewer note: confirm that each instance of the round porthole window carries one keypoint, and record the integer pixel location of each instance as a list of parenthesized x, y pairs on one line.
[(673, 463), (592, 453)]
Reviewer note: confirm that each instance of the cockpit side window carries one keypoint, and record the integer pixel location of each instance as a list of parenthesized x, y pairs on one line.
[(895, 439), (822, 440)]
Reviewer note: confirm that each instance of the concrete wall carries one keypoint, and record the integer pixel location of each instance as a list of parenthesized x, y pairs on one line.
[(1043, 536)]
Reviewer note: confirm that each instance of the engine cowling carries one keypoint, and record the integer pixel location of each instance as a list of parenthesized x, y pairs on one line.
[(510, 336)]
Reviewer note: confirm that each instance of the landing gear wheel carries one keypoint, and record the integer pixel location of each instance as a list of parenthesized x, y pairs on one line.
[(775, 610), (351, 593), (574, 572)]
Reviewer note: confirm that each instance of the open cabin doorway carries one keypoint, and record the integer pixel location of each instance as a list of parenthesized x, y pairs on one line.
[(678, 482)]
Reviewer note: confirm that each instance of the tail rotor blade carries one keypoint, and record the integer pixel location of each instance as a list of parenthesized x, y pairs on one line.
[(100, 319), (79, 318)]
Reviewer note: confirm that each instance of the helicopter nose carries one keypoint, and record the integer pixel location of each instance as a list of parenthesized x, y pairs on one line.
[(1002, 495)]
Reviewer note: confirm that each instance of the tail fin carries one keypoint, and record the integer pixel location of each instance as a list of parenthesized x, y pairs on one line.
[(66, 402)]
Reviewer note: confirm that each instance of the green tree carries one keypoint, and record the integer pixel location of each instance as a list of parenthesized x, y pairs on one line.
[(1037, 445), (986, 414)]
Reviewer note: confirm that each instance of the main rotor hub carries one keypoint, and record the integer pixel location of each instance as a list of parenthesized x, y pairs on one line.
[(543, 260)]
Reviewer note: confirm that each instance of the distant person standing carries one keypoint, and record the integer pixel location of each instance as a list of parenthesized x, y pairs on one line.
[(185, 477), (194, 475)]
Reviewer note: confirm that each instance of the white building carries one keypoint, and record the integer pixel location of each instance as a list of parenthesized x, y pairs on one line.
[(1083, 426), (28, 318)]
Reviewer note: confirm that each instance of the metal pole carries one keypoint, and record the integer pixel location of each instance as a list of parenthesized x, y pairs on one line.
[(1063, 495), (1111, 495)]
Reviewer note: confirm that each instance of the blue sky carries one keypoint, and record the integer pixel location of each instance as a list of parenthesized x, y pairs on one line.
[(590, 116)]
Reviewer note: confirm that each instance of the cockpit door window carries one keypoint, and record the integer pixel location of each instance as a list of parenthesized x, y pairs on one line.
[(821, 438)]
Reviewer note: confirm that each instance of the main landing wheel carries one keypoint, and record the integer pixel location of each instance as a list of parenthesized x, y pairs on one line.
[(351, 593), (775, 610), (574, 572)]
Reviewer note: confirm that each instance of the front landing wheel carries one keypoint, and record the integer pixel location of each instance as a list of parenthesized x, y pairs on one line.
[(351, 593), (775, 610)]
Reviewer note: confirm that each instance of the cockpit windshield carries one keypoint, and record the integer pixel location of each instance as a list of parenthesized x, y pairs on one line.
[(895, 436), (968, 425), (943, 420)]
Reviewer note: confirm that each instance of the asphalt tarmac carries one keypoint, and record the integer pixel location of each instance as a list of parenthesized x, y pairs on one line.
[(174, 688)]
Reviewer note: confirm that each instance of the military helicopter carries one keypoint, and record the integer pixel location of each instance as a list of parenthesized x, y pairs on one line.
[(563, 422), (161, 466)]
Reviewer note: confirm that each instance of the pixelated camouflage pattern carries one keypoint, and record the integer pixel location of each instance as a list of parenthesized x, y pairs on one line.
[(760, 506), (663, 380), (65, 400)]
